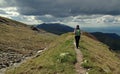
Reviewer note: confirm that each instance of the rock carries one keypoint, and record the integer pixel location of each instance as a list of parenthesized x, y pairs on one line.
[(7, 64), (9, 57)]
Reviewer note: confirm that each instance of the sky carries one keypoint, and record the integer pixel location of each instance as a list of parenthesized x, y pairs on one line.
[(86, 13)]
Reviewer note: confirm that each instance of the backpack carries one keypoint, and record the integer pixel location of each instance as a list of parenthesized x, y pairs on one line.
[(77, 33)]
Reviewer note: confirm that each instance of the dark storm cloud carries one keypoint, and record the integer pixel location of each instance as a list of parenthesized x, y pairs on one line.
[(62, 8), (7, 3)]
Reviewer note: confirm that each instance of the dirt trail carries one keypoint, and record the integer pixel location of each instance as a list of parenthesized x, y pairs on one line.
[(79, 68)]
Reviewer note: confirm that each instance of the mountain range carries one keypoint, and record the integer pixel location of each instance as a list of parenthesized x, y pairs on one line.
[(111, 39), (55, 28)]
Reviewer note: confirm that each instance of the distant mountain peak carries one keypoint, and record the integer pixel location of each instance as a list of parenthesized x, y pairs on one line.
[(55, 28)]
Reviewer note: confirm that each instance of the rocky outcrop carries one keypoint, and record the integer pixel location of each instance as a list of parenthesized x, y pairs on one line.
[(8, 58)]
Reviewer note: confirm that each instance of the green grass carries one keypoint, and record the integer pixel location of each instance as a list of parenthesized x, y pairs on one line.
[(98, 58), (22, 39), (58, 59)]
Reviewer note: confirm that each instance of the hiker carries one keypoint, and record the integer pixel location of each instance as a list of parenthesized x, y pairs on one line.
[(77, 33)]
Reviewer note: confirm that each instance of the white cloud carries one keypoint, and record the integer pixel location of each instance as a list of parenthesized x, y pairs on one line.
[(30, 20), (10, 11), (48, 16), (93, 20)]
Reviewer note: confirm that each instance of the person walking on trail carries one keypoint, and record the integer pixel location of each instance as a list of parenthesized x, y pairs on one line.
[(77, 33)]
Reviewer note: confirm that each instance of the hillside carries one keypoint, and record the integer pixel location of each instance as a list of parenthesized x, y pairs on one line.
[(111, 39), (60, 58), (55, 28), (18, 41), (7, 21), (98, 58)]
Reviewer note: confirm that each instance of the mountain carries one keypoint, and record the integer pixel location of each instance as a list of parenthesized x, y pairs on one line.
[(98, 58), (18, 41), (55, 28), (111, 39), (60, 58), (113, 29)]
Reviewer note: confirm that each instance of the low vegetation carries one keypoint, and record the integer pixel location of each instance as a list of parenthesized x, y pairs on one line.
[(59, 58), (22, 39), (18, 41), (98, 59)]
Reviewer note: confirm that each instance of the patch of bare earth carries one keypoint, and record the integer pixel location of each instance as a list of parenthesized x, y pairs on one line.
[(78, 67)]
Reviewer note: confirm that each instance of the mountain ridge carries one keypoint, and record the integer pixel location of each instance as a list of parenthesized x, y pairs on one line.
[(111, 39), (97, 58), (18, 41), (55, 28)]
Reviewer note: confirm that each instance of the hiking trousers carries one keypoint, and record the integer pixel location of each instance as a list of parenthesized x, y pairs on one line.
[(77, 38)]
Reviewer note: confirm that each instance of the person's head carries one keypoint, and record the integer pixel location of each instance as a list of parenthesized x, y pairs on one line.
[(77, 27)]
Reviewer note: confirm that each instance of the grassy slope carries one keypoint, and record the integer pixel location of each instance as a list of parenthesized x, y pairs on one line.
[(59, 58), (4, 20), (99, 59), (21, 38)]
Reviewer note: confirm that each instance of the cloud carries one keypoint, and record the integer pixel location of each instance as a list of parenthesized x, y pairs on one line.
[(93, 21), (2, 12), (64, 8), (88, 13), (46, 18), (7, 3), (11, 12), (31, 20)]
